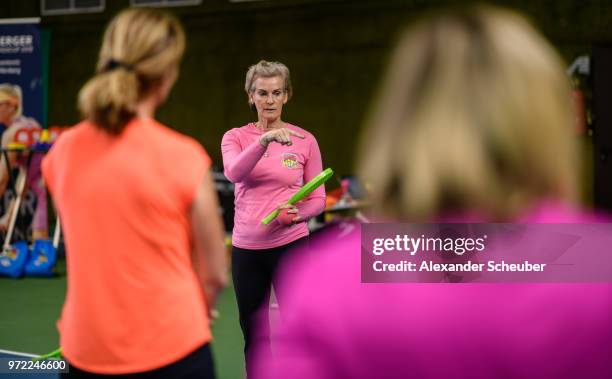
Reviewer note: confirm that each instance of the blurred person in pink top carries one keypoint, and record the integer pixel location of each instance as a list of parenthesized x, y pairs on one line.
[(12, 118), (144, 242), (268, 160), (473, 123)]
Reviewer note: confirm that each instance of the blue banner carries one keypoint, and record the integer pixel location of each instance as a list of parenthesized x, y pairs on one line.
[(22, 93), (21, 65)]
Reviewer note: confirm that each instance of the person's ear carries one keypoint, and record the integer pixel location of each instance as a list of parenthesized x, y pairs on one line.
[(252, 103)]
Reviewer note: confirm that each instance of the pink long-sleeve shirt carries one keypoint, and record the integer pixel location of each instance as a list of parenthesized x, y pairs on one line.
[(349, 329), (266, 177)]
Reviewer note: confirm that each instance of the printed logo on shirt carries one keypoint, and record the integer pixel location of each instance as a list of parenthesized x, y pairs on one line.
[(290, 160)]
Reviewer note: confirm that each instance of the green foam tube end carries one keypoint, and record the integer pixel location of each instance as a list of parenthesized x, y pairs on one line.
[(55, 354)]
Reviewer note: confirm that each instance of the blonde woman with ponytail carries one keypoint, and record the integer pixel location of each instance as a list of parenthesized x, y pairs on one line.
[(145, 251)]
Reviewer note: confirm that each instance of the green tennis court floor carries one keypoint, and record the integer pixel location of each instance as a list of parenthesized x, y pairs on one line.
[(31, 306)]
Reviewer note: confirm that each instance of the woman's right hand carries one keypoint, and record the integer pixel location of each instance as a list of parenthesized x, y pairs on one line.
[(281, 135)]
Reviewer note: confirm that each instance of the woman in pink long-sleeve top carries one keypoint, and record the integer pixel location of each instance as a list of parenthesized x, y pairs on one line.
[(268, 160)]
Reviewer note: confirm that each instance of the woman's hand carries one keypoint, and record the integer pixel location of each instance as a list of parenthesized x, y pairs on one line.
[(282, 136), (292, 216)]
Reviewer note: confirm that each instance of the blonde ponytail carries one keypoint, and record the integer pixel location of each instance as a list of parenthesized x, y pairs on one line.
[(140, 46), (109, 99)]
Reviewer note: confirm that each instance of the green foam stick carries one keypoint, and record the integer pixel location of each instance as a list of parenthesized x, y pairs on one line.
[(302, 193), (55, 354)]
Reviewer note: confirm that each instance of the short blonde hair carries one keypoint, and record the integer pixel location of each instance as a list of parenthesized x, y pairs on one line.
[(265, 69), (140, 46), (13, 93), (474, 115)]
